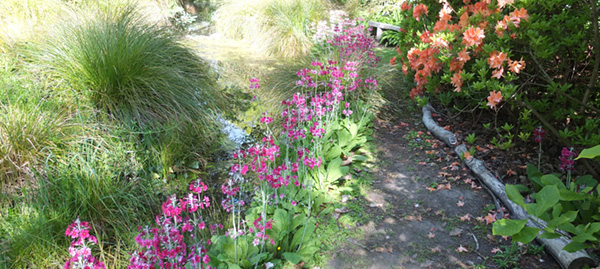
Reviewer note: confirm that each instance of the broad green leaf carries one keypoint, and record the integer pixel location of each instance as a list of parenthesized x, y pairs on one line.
[(353, 128), (546, 199), (292, 257), (549, 235), (526, 235), (301, 218), (589, 153), (575, 246), (281, 220), (334, 152), (514, 195), (594, 227), (360, 158), (508, 227), (344, 138), (334, 170), (569, 195), (552, 180), (534, 176), (234, 266)]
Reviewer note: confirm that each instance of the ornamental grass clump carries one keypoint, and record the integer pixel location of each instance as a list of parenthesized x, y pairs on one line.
[(133, 71)]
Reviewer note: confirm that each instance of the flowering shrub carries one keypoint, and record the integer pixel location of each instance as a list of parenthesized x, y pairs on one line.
[(515, 53)]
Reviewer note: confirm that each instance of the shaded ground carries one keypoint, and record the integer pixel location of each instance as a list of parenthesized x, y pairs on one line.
[(425, 210)]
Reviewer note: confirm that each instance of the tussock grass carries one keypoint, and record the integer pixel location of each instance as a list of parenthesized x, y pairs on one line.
[(275, 27), (139, 75)]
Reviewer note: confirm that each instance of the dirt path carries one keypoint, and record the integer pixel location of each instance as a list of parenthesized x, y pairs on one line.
[(425, 210)]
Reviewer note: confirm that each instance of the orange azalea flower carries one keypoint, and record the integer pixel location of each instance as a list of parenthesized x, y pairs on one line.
[(496, 59), (494, 99), (426, 37), (419, 10), (404, 69), (398, 50), (393, 61), (473, 36), (521, 14), (502, 3), (445, 13), (457, 81), (463, 55), (456, 65), (464, 20), (405, 6), (439, 42), (498, 73), (516, 66)]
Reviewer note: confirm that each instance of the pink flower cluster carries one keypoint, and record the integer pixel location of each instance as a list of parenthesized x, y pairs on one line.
[(566, 159), (81, 254), (165, 246)]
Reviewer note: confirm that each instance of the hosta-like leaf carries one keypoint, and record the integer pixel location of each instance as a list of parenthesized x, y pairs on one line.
[(508, 227)]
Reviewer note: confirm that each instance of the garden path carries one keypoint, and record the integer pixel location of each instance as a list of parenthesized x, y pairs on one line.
[(425, 210)]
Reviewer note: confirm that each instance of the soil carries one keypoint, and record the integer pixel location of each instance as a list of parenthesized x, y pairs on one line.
[(425, 209)]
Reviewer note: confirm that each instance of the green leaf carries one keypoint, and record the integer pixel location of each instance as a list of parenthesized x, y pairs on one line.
[(344, 138), (514, 195), (281, 220), (360, 158), (508, 227), (301, 218), (353, 128), (334, 170), (292, 257), (546, 199), (575, 246), (534, 176), (552, 180), (589, 153), (526, 235), (334, 152), (549, 235), (584, 237), (569, 195)]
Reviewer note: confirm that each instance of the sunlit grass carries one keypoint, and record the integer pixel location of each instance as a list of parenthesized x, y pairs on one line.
[(279, 28)]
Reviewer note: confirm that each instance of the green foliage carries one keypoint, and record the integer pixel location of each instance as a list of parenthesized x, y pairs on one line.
[(572, 208), (471, 138), (508, 257)]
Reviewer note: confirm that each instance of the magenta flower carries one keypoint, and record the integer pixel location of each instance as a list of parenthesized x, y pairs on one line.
[(538, 134), (566, 159)]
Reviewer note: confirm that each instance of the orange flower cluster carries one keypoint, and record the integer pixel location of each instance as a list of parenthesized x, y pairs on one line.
[(473, 37), (419, 10), (424, 63), (514, 17), (473, 26), (494, 99), (496, 61)]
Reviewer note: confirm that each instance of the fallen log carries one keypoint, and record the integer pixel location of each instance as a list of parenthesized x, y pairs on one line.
[(441, 133), (555, 246)]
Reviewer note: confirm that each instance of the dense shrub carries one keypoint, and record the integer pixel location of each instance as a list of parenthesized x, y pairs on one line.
[(539, 59)]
